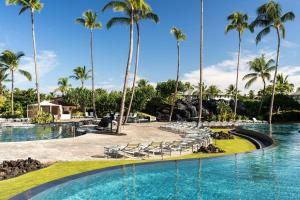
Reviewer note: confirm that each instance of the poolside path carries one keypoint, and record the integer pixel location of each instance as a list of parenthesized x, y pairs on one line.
[(83, 148)]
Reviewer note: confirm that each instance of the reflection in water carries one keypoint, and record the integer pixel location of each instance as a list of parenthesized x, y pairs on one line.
[(237, 177), (38, 132), (199, 180)]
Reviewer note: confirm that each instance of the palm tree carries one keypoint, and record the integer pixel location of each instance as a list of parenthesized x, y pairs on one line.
[(82, 74), (230, 91), (269, 16), (213, 91), (283, 86), (138, 16), (63, 85), (3, 78), (10, 61), (201, 64), (238, 22), (32, 5), (179, 36), (89, 20), (128, 7), (260, 69)]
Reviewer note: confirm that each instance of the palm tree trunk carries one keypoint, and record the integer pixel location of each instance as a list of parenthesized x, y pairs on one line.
[(177, 80), (93, 77), (135, 72), (262, 98), (201, 65), (35, 61), (126, 75), (275, 76), (1, 88), (237, 77), (82, 85), (12, 93)]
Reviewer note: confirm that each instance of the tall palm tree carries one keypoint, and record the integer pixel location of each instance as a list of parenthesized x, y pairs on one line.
[(179, 36), (3, 78), (138, 16), (201, 64), (89, 20), (269, 16), (128, 7), (10, 61), (63, 85), (238, 22), (32, 6), (82, 74), (260, 69)]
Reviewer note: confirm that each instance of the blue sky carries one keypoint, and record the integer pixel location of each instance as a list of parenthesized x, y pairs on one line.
[(63, 44)]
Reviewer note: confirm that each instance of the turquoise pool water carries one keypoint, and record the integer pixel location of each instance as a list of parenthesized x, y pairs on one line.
[(38, 132), (273, 173)]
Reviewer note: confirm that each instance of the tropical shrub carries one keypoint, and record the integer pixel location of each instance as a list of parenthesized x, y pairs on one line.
[(166, 89), (42, 118)]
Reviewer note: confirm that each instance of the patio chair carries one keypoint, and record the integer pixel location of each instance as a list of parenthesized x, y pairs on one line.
[(112, 152), (174, 146), (154, 148), (132, 149)]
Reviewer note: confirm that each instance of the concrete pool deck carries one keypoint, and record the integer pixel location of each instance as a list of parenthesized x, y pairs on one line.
[(86, 147)]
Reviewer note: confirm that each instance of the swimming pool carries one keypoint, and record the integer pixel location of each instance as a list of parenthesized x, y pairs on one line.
[(272, 173), (37, 132)]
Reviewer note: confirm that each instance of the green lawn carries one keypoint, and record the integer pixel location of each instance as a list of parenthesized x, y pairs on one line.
[(11, 187)]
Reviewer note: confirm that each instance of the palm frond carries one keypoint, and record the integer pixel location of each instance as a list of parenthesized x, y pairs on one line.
[(262, 33), (250, 76), (289, 16), (230, 27), (26, 74), (118, 6), (117, 20), (250, 82), (152, 16)]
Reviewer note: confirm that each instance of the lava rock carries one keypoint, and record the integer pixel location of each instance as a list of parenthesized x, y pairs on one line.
[(221, 136), (14, 168), (210, 149)]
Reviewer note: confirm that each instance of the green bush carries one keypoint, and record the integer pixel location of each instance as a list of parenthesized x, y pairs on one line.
[(287, 116), (42, 118), (77, 113)]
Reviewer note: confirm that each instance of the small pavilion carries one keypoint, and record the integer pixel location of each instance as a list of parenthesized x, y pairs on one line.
[(46, 106)]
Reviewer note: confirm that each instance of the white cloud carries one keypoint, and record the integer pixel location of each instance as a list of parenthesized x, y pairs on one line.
[(289, 44), (47, 61), (223, 73)]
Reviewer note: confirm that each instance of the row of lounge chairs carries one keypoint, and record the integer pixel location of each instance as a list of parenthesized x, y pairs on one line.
[(139, 150), (192, 138), (217, 124)]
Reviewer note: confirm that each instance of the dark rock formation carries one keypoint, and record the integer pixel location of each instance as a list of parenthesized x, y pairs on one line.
[(210, 149), (11, 169), (221, 136), (187, 109)]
